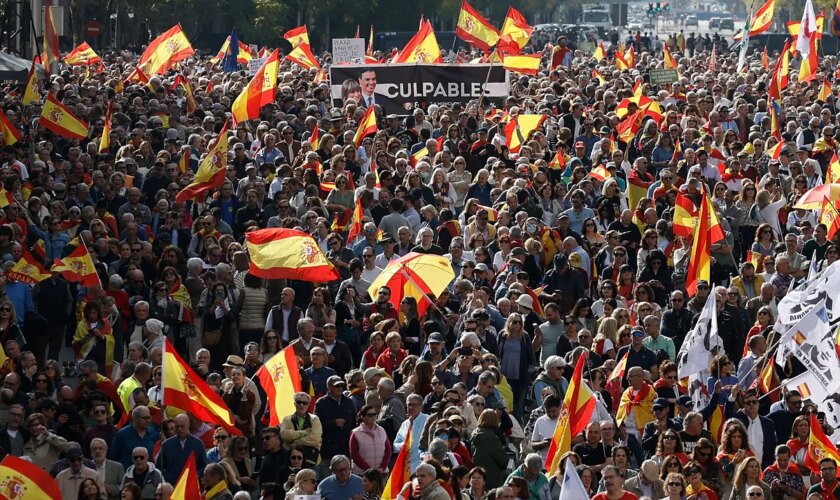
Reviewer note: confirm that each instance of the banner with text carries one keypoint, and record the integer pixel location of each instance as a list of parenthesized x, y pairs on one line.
[(400, 88)]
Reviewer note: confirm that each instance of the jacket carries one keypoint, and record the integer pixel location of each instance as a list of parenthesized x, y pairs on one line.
[(488, 451), (114, 473), (633, 485), (173, 457), (290, 435), (738, 283), (767, 428), (336, 440), (527, 358), (153, 479), (434, 491), (46, 453), (302, 352), (369, 449), (242, 403), (253, 309), (5, 445), (275, 321)]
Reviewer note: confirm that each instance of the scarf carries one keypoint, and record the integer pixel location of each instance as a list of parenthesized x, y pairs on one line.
[(215, 490), (640, 403), (827, 491)]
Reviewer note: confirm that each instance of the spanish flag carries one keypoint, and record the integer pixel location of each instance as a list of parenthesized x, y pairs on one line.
[(670, 63), (830, 217), (356, 224), (367, 126), (418, 156), (700, 265), (833, 173), (825, 91), (297, 36), (280, 378), (559, 161), (819, 446), (597, 74), (515, 33), (211, 172), (613, 384), (32, 94), (526, 64), (474, 29), (401, 473), (315, 138), (9, 132), (83, 55), (245, 52), (763, 18), (600, 52), (184, 161), (59, 119), (185, 390), (781, 74), (169, 48), (765, 60), (78, 266), (21, 479), (685, 216), (810, 63), (716, 423), (51, 49), (575, 413), (259, 92), (29, 270), (422, 48), (636, 189), (519, 130), (188, 486), (620, 62), (287, 253), (6, 198), (767, 380), (105, 141), (600, 173), (302, 56)]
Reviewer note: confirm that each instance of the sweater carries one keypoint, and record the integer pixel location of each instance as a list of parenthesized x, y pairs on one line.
[(253, 313), (369, 449), (173, 457)]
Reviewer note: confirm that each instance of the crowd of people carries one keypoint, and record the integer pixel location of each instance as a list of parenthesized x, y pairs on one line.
[(551, 264)]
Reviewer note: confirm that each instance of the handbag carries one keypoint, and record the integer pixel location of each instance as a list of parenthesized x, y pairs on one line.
[(211, 338)]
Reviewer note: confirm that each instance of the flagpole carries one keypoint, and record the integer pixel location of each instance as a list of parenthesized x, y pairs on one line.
[(486, 81), (764, 357)]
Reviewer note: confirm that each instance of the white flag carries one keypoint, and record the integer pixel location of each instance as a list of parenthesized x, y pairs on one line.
[(696, 351), (807, 26), (745, 45), (573, 488), (811, 329)]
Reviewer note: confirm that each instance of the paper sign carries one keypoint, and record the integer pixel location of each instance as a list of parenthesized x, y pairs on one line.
[(254, 65), (348, 50)]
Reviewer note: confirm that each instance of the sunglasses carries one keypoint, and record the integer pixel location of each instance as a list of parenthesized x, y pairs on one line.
[(136, 457)]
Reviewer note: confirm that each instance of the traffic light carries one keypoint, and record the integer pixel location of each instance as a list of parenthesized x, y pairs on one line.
[(666, 6), (658, 7), (650, 10)]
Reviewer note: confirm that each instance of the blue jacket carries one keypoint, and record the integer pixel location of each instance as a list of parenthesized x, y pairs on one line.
[(20, 295), (127, 439), (54, 243), (767, 428), (173, 457)]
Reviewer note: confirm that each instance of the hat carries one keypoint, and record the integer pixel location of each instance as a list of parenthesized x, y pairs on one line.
[(563, 215), (637, 332), (525, 301), (518, 251), (650, 471), (392, 116), (685, 401), (372, 372), (156, 326), (73, 451), (702, 283), (575, 260), (580, 144), (387, 238), (334, 381), (233, 361), (435, 338), (481, 267), (605, 130), (660, 403)]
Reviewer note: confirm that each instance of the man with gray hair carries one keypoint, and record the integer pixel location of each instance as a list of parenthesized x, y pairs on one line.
[(342, 484), (415, 423), (531, 471), (426, 481), (110, 472), (392, 414), (130, 437)]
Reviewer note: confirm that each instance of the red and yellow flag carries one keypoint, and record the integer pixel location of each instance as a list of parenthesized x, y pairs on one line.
[(401, 473), (767, 382), (781, 74), (422, 48), (8, 131), (185, 390), (367, 126), (515, 33), (810, 64), (763, 18), (164, 51), (78, 266), (51, 49), (765, 59), (287, 253), (315, 138), (57, 118), (600, 52), (29, 270), (83, 55), (833, 173), (21, 479), (716, 423), (636, 189), (356, 225), (297, 36), (575, 413), (520, 128), (188, 486), (418, 156), (474, 29), (526, 64), (685, 215), (184, 161), (600, 173), (302, 56), (32, 94), (670, 62), (245, 53), (830, 217), (280, 377), (819, 446), (105, 140), (700, 264), (211, 171), (559, 161), (825, 91), (259, 92)]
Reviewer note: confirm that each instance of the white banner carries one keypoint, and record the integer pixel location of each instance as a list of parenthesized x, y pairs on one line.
[(808, 331), (796, 304), (348, 50), (696, 351)]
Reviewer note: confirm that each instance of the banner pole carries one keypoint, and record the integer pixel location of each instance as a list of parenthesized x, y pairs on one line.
[(486, 81)]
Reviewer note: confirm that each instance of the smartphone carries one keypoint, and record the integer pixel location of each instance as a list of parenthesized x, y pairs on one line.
[(220, 295), (465, 351)]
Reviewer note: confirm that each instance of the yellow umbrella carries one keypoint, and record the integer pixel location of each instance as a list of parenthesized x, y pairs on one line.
[(814, 198), (414, 275)]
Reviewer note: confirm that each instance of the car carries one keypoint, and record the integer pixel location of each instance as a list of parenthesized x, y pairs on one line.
[(691, 21), (714, 23), (634, 27), (727, 24)]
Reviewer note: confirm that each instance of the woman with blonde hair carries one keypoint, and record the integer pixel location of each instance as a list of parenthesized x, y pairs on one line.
[(606, 338), (766, 209), (748, 474), (305, 484)]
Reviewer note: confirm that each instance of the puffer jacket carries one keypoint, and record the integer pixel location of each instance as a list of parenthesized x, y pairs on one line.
[(370, 445), (252, 315)]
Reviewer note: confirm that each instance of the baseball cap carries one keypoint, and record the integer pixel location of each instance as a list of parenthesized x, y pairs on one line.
[(435, 338), (685, 401), (660, 403), (335, 380)]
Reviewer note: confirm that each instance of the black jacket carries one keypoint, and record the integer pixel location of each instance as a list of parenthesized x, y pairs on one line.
[(335, 439)]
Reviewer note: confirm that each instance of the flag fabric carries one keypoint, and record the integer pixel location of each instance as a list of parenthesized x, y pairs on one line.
[(187, 391), (83, 55), (422, 48), (369, 51), (600, 173), (636, 189), (833, 173), (700, 264), (819, 446), (32, 94), (188, 485), (302, 56), (716, 423), (57, 118), (297, 36), (515, 33), (600, 53), (367, 126), (105, 140), (696, 351), (184, 161), (9, 132), (781, 73), (78, 266), (356, 224), (830, 217), (825, 92), (287, 253), (811, 329), (765, 60), (685, 216), (492, 213), (578, 405), (757, 260), (807, 27), (51, 49), (767, 382), (211, 171), (670, 62), (613, 384), (573, 488), (230, 61), (474, 29), (259, 92), (713, 59), (401, 472), (315, 138), (526, 64), (23, 480), (763, 18), (558, 162), (280, 378), (164, 51), (810, 62), (520, 128), (245, 52), (29, 269)]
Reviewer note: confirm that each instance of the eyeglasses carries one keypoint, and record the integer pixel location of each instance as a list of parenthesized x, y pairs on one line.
[(669, 437), (755, 494), (139, 457), (5, 309), (675, 483), (221, 437), (100, 412), (301, 402), (751, 402), (268, 438)]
